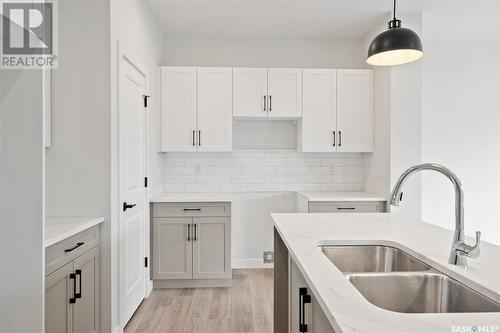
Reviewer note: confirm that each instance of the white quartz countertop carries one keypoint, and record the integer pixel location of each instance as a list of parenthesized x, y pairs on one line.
[(341, 196), (192, 197), (61, 227), (346, 308)]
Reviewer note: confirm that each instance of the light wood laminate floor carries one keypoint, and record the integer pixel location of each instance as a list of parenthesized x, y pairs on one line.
[(246, 306)]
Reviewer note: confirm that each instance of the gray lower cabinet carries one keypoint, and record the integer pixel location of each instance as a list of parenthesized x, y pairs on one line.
[(195, 247), (72, 291), (305, 313)]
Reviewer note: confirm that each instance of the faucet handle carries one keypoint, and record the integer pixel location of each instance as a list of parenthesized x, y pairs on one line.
[(475, 250)]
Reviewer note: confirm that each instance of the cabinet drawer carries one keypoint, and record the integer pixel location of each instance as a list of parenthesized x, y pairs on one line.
[(61, 253), (191, 209), (346, 207)]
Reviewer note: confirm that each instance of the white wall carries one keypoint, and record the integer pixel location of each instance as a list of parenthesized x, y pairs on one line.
[(21, 220), (461, 130), (397, 126), (134, 29), (263, 52), (78, 162)]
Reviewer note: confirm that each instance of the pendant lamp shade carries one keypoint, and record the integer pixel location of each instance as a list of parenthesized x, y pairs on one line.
[(395, 46)]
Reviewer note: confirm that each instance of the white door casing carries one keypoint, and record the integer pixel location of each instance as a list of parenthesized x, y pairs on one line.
[(132, 85), (319, 119), (215, 114), (249, 92)]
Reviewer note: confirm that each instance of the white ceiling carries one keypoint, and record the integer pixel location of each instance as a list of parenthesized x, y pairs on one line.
[(308, 18)]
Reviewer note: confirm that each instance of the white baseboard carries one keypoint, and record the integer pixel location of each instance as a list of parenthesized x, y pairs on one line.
[(250, 263)]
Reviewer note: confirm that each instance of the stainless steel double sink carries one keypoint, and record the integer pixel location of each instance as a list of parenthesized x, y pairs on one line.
[(394, 280)]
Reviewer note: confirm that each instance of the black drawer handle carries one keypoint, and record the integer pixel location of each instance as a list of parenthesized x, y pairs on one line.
[(78, 272), (74, 247), (192, 209), (346, 208)]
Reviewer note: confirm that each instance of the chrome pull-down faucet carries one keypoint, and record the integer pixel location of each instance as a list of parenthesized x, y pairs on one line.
[(460, 250)]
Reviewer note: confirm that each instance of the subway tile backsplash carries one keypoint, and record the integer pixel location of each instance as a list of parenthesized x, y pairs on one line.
[(261, 171)]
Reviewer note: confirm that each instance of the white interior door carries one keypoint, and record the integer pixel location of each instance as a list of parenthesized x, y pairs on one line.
[(215, 110), (250, 92), (131, 159), (178, 109), (319, 118), (355, 110), (285, 92)]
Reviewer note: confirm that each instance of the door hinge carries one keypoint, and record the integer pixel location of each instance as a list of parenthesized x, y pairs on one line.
[(146, 262), (145, 181), (146, 100)]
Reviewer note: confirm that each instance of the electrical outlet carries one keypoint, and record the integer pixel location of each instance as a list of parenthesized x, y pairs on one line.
[(268, 257), (197, 169)]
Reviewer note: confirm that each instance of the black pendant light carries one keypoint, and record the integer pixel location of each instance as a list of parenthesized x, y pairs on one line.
[(395, 46)]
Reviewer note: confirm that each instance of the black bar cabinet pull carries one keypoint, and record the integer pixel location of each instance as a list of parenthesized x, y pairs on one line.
[(199, 137), (72, 300), (346, 208), (189, 232), (78, 273), (265, 102), (195, 232), (193, 138), (334, 139), (340, 138), (304, 299), (192, 209), (270, 103), (74, 247)]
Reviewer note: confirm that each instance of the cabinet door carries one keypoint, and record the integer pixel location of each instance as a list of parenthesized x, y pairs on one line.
[(211, 248), (58, 309), (296, 282), (320, 322), (250, 92), (215, 113), (355, 110), (86, 308), (172, 248), (178, 108), (285, 92), (319, 114)]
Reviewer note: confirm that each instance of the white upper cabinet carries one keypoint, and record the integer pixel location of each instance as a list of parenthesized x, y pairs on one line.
[(215, 113), (196, 109), (273, 92), (178, 108), (355, 110), (284, 89), (250, 92), (338, 111), (319, 119)]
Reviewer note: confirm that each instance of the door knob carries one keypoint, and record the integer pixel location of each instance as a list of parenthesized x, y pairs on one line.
[(127, 206)]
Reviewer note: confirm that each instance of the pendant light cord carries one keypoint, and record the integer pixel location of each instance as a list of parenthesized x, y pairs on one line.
[(394, 12), (394, 23)]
